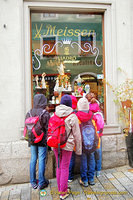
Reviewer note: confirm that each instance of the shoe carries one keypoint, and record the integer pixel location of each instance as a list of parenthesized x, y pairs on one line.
[(85, 184), (66, 195), (91, 182), (44, 185), (98, 173), (70, 180), (34, 186)]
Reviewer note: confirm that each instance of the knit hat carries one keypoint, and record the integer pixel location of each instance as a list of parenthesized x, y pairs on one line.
[(66, 100), (83, 104), (74, 102)]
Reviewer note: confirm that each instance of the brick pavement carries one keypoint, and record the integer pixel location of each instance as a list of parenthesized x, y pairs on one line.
[(116, 183)]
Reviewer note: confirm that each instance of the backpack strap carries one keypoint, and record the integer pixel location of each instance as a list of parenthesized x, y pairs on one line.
[(64, 121), (40, 116), (42, 113), (91, 116), (30, 113)]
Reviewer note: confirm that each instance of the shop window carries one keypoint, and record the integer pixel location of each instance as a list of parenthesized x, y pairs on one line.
[(65, 48)]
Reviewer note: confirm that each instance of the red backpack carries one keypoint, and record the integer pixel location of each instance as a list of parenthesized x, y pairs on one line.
[(57, 135)]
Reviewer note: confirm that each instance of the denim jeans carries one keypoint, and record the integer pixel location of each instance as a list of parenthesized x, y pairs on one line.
[(37, 152), (71, 166), (87, 167), (98, 161)]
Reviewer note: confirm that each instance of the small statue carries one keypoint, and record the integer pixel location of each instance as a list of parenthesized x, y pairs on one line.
[(36, 78), (62, 86), (66, 86), (43, 80), (61, 69), (79, 80), (87, 88), (69, 87), (53, 99), (57, 84)]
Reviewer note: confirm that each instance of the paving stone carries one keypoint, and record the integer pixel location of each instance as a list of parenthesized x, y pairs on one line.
[(122, 178), (119, 186), (89, 193), (25, 193), (116, 184), (99, 191), (110, 188), (35, 194), (123, 168), (2, 189), (15, 194), (110, 170), (24, 185), (4, 195), (129, 175), (77, 191)]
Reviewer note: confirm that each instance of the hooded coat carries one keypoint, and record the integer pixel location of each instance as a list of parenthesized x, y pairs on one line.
[(72, 127), (85, 116), (39, 104)]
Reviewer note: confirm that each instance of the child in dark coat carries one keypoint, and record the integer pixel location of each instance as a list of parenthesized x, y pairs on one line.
[(39, 150)]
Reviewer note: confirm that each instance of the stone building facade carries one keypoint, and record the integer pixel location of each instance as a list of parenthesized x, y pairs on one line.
[(15, 82)]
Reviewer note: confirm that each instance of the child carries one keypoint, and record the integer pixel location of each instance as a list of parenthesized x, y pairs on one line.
[(87, 167), (72, 162), (74, 139), (94, 107), (39, 150)]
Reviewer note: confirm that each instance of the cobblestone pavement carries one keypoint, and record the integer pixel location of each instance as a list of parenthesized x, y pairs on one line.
[(116, 183)]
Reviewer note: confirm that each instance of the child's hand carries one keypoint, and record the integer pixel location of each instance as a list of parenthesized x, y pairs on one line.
[(93, 100)]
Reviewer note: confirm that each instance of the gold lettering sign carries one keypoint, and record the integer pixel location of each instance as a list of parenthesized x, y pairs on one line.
[(52, 30)]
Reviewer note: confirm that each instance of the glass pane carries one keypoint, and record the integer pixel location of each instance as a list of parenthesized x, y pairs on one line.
[(68, 50)]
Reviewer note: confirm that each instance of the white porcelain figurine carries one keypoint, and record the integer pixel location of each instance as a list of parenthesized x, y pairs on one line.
[(61, 69), (43, 80)]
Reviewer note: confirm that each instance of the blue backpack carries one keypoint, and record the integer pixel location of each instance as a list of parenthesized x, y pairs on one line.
[(90, 137)]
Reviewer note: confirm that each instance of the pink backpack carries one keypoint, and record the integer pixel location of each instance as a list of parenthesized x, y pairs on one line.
[(99, 121), (33, 131)]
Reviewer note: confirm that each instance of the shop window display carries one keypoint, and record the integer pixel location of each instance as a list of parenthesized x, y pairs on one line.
[(67, 55)]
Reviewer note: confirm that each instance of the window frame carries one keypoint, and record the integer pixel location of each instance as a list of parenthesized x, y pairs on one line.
[(109, 47)]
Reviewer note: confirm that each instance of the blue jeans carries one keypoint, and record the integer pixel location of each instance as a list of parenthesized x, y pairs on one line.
[(71, 166), (87, 167), (98, 161), (38, 152)]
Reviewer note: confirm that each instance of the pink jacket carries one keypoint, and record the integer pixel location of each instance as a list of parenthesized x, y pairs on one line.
[(94, 107)]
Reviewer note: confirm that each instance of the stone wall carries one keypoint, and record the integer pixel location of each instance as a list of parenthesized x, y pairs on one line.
[(114, 151), (15, 159)]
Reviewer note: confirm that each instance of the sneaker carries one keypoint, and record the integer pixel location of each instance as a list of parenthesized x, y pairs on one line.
[(91, 182), (85, 184), (44, 185), (66, 195), (34, 186), (98, 173), (70, 180)]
